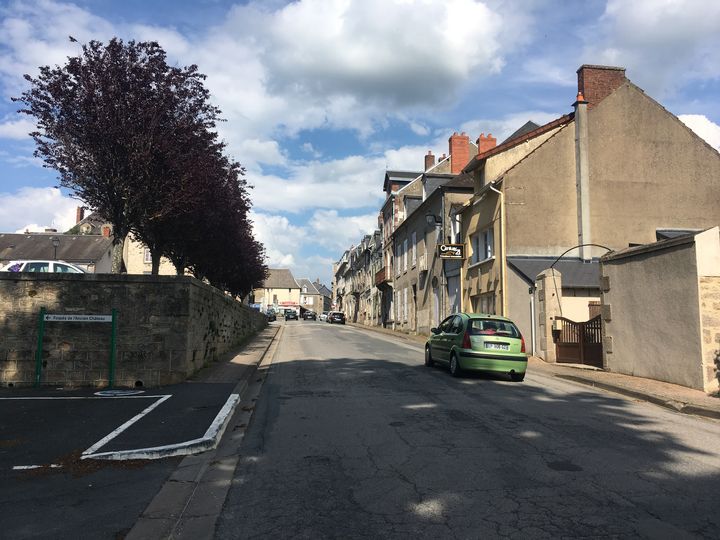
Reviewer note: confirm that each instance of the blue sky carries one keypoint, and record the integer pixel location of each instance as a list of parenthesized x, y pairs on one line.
[(321, 96)]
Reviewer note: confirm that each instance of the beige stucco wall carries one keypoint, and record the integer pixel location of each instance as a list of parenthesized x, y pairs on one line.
[(265, 296), (134, 258), (501, 162), (647, 171), (575, 304), (653, 327), (540, 199)]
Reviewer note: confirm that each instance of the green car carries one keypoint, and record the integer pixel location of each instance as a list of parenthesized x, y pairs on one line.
[(478, 342)]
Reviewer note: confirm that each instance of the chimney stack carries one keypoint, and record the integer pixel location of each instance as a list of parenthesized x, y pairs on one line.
[(596, 83), (459, 152), (79, 214), (429, 160), (485, 143)]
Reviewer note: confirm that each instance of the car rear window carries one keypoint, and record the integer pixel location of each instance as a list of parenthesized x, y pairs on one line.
[(491, 327)]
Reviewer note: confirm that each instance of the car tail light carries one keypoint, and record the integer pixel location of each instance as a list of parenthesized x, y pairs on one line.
[(466, 341), (522, 344)]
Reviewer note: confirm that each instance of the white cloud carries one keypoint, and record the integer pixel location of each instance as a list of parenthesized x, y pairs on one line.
[(704, 127), (339, 232), (18, 128), (36, 209), (281, 239), (663, 43)]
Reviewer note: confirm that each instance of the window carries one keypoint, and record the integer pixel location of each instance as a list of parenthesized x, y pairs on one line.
[(487, 303), (398, 259), (304, 289), (147, 256), (405, 254), (482, 245), (65, 269), (37, 267), (413, 247)]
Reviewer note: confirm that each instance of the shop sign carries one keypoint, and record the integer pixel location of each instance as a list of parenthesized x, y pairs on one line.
[(451, 251)]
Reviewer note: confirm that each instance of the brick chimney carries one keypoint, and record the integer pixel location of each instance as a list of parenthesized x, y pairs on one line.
[(429, 160), (485, 143), (79, 214), (596, 83), (459, 152)]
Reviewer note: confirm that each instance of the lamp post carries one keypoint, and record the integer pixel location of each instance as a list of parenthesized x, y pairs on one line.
[(55, 242)]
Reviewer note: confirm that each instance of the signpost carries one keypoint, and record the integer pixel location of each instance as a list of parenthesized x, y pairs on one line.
[(73, 317)]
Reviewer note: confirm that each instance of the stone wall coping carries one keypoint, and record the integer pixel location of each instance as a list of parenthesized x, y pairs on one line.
[(113, 278)]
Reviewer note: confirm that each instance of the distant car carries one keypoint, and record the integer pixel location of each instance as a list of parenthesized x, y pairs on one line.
[(478, 342), (43, 266), (310, 316), (270, 314), (291, 314), (336, 317), (323, 316)]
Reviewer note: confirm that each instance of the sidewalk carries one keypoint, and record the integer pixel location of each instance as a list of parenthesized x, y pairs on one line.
[(671, 396)]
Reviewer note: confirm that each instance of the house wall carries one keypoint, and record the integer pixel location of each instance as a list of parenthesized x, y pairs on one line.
[(168, 328), (668, 180), (134, 258), (652, 309), (540, 199)]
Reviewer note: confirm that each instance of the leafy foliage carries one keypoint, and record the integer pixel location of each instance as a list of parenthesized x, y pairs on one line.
[(134, 138)]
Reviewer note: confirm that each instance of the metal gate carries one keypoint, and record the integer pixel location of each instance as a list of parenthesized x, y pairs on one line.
[(580, 342)]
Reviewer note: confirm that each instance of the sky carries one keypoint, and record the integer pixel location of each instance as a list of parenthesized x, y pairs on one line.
[(321, 97)]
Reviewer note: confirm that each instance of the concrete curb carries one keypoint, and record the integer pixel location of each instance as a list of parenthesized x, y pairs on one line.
[(191, 500), (212, 436), (677, 406)]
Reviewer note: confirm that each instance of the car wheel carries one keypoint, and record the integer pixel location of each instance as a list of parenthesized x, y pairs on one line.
[(517, 377), (455, 370), (429, 362)]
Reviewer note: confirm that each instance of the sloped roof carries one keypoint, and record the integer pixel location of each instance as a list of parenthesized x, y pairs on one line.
[(280, 278), (399, 177), (323, 290), (304, 282), (73, 248), (576, 274)]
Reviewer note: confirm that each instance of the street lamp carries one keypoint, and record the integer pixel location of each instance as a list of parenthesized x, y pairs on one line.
[(433, 220), (55, 242)]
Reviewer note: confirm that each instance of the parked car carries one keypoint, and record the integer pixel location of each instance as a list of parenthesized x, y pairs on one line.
[(310, 316), (478, 342), (270, 313), (323, 316), (61, 267), (336, 317), (291, 314)]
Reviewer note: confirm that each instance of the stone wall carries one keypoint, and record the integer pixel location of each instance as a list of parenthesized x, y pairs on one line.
[(710, 320), (168, 327)]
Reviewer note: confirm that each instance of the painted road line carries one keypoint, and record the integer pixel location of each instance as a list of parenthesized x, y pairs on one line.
[(102, 442), (193, 446), (40, 398), (32, 467)]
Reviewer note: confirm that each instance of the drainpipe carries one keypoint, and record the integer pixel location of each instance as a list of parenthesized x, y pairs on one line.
[(582, 177), (503, 261), (443, 279), (532, 319)]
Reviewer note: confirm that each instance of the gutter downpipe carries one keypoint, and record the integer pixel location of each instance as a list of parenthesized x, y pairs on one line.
[(443, 279), (503, 264)]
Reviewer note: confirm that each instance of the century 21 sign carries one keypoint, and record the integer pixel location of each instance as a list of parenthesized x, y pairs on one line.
[(451, 251)]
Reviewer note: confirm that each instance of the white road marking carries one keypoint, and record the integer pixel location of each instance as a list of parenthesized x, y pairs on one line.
[(126, 425), (79, 397), (206, 442), (31, 467)]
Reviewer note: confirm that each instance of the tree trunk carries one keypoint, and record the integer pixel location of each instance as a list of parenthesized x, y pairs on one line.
[(155, 257), (117, 256)]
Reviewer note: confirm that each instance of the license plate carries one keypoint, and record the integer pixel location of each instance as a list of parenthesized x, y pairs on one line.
[(497, 346)]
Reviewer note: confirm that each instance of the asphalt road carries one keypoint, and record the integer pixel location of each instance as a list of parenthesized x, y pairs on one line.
[(354, 438)]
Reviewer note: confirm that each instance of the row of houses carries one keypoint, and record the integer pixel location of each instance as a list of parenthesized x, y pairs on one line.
[(473, 229), (282, 291)]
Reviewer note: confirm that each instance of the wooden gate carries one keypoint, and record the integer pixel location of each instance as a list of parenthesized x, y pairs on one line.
[(580, 342)]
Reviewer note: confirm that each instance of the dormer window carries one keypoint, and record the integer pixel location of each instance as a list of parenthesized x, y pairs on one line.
[(304, 289)]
